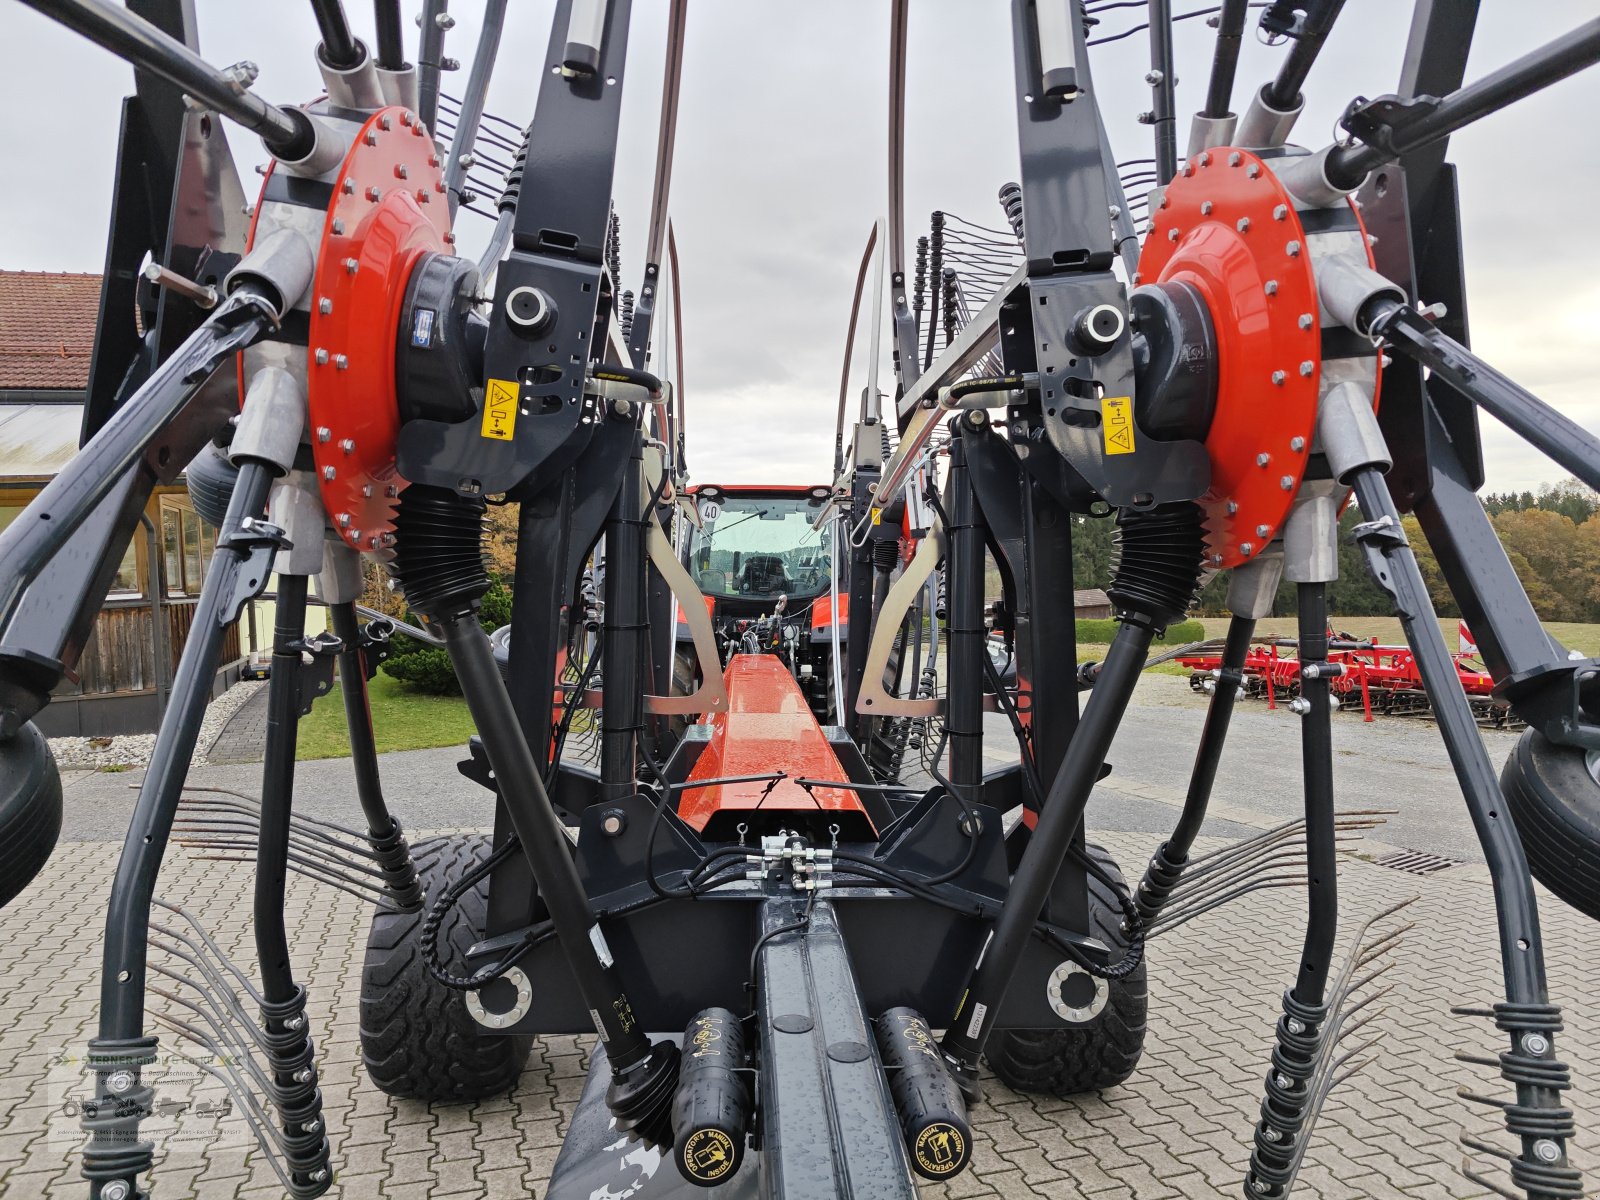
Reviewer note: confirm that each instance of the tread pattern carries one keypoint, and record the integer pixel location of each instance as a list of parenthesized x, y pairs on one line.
[(1555, 803), (1090, 1057), (30, 809), (418, 1041)]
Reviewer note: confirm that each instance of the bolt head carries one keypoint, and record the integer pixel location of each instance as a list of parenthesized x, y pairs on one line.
[(1297, 443), (344, 523), (352, 265), (115, 1190), (323, 433), (371, 137), (1247, 548), (312, 1126), (1279, 376), (1235, 159), (1172, 235), (1261, 532), (1242, 224), (329, 474), (1271, 287), (1308, 368), (348, 187), (341, 362), (320, 1175), (1233, 507), (1292, 249), (304, 1075), (374, 194), (1205, 208), (1306, 321), (347, 445), (1253, 170), (400, 171), (338, 225), (1205, 159), (1280, 213), (1286, 482), (1535, 1043), (1153, 77), (325, 306), (1262, 460), (321, 356), (119, 1081), (1546, 1151), (1295, 1025)]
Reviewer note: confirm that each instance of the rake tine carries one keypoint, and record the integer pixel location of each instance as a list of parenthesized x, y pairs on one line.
[(259, 1127), (1484, 1182), (1167, 924), (1483, 1147), (344, 829)]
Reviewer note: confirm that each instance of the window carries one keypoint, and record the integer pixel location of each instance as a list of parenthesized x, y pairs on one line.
[(760, 546), (187, 543)]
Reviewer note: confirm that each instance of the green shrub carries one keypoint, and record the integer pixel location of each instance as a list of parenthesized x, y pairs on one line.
[(424, 668), (1102, 631)]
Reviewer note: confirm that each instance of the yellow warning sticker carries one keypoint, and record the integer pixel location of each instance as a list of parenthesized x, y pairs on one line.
[(1116, 414), (500, 409)]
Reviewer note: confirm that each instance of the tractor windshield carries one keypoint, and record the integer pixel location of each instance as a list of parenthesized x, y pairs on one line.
[(759, 547)]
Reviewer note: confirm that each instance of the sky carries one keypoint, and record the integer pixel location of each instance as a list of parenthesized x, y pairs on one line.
[(781, 170)]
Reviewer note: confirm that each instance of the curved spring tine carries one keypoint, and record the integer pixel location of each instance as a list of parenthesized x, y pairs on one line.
[(243, 1097), (1482, 1181), (202, 964), (247, 817), (238, 1056), (326, 824), (1167, 924)]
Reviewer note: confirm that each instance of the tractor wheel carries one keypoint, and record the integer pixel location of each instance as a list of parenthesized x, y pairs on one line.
[(1553, 792), (30, 809), (1100, 1053), (418, 1040)]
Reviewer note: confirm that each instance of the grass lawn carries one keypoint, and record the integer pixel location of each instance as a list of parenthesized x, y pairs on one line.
[(403, 720), (1386, 630)]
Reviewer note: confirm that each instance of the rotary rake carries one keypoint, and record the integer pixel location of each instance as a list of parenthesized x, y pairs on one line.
[(1200, 362)]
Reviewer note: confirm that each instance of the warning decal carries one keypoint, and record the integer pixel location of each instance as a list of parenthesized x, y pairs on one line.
[(499, 409), (1116, 413)]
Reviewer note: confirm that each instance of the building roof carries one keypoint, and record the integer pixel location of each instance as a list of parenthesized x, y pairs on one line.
[(47, 330), (1088, 597), (36, 440)]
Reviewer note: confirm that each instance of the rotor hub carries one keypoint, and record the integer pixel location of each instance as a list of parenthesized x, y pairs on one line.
[(389, 208), (1228, 228)]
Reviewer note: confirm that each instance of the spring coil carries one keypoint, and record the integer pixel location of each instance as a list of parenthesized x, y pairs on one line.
[(935, 274), (1011, 202), (952, 298), (625, 314), (919, 287), (614, 246), (1156, 569), (513, 186), (438, 560)]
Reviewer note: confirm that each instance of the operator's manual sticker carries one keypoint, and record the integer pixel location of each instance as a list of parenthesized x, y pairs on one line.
[(500, 409)]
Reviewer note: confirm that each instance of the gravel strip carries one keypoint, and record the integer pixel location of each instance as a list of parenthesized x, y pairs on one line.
[(133, 749)]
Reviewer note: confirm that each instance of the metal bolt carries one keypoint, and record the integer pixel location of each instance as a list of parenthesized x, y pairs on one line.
[(341, 362), (1292, 249), (1306, 320), (1546, 1151), (1242, 224), (1297, 444), (371, 138), (304, 1075), (1205, 159), (312, 1126), (349, 187), (1172, 235), (119, 1081), (1262, 460), (1295, 1025), (611, 824), (1247, 548), (344, 523), (400, 171), (325, 306), (1279, 376), (1308, 368), (352, 265), (348, 445), (1280, 213), (1235, 159), (374, 194), (1271, 287), (1286, 482), (323, 433), (1233, 507), (329, 474), (445, 21), (320, 1175), (321, 357), (115, 1190), (1153, 77), (385, 124), (1258, 1186), (1116, 212), (1271, 1135), (1253, 170), (1535, 1044), (338, 226), (392, 491), (366, 490), (1261, 532), (1146, 118), (1205, 208)]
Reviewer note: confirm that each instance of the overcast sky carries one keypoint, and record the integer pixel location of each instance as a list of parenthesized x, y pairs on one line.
[(780, 173)]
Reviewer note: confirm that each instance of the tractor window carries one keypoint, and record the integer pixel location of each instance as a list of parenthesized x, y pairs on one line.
[(759, 547)]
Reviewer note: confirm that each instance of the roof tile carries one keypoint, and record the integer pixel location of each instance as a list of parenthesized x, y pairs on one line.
[(47, 328)]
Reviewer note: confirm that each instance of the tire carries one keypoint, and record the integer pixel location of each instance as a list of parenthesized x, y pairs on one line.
[(1100, 1053), (1554, 799), (30, 809), (418, 1040)]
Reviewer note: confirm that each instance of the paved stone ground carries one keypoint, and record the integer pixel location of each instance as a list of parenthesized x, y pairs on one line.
[(1179, 1128), (244, 738)]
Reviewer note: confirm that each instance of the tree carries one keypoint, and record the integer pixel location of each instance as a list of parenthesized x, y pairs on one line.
[(1557, 558)]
